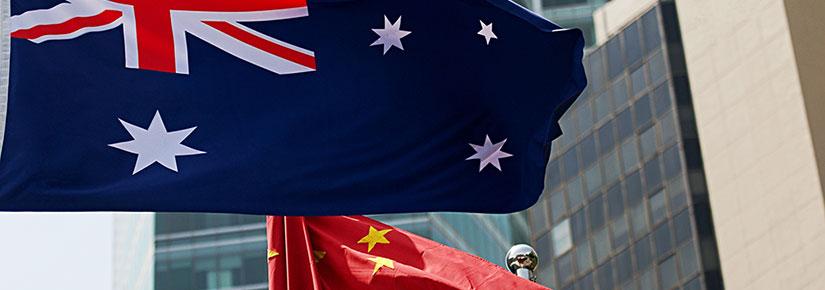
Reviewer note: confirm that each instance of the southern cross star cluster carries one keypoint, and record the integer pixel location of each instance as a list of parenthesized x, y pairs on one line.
[(157, 145)]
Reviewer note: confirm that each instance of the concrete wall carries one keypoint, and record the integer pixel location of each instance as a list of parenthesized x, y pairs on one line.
[(762, 173)]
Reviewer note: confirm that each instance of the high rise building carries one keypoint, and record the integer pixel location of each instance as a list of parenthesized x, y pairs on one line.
[(134, 248), (695, 159), (625, 205)]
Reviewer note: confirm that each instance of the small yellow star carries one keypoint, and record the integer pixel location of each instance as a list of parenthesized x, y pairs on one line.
[(271, 254), (319, 255), (374, 237), (381, 262)]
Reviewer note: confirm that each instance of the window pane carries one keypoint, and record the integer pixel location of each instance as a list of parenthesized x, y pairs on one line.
[(648, 280), (642, 110), (648, 142), (615, 202), (620, 96), (624, 267), (638, 82), (586, 282), (643, 256), (657, 68), (681, 227), (653, 174), (658, 210), (557, 205), (632, 43), (661, 96), (619, 232), (673, 162), (676, 191), (650, 26), (615, 62), (570, 161), (588, 150), (606, 138), (662, 240), (604, 105), (596, 73), (596, 212), (585, 114), (584, 261), (574, 193), (594, 180), (668, 128), (564, 267), (687, 260), (605, 276), (638, 220), (611, 168), (561, 238), (624, 122), (538, 215), (633, 188), (694, 284), (630, 157), (668, 275), (601, 246), (578, 225)]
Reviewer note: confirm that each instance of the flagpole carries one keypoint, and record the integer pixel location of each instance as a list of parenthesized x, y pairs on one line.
[(522, 260)]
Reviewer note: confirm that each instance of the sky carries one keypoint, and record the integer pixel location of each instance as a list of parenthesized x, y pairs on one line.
[(61, 251)]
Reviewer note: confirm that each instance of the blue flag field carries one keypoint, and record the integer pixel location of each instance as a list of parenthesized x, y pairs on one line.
[(280, 107)]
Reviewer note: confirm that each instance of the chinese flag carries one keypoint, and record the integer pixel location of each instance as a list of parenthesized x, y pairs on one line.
[(355, 252)]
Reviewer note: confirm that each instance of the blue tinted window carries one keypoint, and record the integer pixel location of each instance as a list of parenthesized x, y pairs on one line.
[(596, 212), (588, 150), (624, 267), (619, 90), (624, 123), (638, 81), (642, 110), (687, 260), (585, 114), (643, 256), (620, 232), (648, 142), (632, 43), (596, 73), (601, 244), (578, 225), (611, 168), (584, 260), (694, 284), (587, 282), (650, 26), (553, 174), (570, 161), (615, 201), (658, 207), (606, 138), (564, 268), (557, 205), (638, 220), (615, 61), (604, 105), (681, 225), (653, 175), (605, 276), (633, 188), (630, 155), (668, 275), (574, 192), (668, 128), (676, 190), (657, 68), (672, 161), (662, 240), (661, 96)]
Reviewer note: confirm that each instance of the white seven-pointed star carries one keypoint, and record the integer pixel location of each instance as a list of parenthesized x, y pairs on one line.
[(156, 144), (487, 31), (489, 153), (390, 35)]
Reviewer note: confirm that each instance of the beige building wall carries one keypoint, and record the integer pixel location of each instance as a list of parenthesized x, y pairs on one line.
[(757, 136)]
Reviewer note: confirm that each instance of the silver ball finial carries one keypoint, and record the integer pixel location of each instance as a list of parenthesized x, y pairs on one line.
[(522, 260)]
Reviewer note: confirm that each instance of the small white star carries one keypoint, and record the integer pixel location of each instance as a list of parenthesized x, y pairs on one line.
[(487, 31), (489, 153), (156, 144), (390, 35)]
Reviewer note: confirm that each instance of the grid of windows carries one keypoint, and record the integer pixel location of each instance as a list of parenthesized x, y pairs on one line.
[(617, 178)]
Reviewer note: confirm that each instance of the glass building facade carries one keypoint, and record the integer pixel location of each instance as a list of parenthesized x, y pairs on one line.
[(625, 204), (219, 251), (569, 13)]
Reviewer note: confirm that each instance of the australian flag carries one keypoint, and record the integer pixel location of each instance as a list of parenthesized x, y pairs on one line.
[(280, 107)]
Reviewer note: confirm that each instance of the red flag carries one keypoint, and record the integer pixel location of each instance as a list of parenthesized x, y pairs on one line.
[(356, 252)]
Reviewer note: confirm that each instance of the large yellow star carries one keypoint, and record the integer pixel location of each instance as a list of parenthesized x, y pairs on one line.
[(381, 262), (374, 237)]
